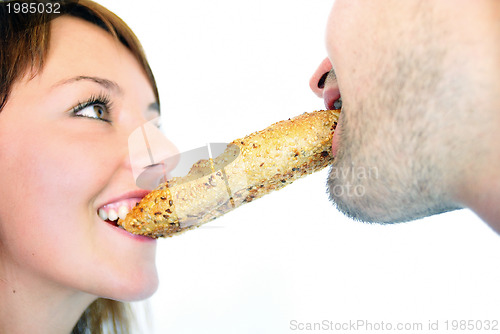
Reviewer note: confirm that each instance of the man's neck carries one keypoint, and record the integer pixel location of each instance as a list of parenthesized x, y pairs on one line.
[(478, 184)]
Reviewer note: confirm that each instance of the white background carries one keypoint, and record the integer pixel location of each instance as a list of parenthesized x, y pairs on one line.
[(227, 68)]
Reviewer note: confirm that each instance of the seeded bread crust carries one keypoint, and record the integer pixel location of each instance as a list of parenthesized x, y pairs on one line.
[(249, 168)]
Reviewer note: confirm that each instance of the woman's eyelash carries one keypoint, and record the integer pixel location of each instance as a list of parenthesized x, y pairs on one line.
[(100, 99)]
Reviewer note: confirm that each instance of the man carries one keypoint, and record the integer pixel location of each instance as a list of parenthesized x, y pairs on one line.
[(419, 83)]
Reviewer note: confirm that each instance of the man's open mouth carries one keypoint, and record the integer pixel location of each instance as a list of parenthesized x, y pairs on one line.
[(337, 104), (332, 98)]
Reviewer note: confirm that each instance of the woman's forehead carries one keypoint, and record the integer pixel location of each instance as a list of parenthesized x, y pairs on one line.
[(81, 49), (79, 38)]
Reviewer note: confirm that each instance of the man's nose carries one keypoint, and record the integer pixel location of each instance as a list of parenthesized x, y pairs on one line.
[(317, 82)]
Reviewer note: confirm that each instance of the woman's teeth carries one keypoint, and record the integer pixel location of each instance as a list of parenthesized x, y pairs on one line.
[(112, 214), (117, 210)]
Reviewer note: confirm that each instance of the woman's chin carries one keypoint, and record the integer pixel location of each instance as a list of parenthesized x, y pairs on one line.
[(135, 287)]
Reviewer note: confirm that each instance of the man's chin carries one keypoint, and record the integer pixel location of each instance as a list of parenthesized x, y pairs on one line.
[(357, 209), (373, 203)]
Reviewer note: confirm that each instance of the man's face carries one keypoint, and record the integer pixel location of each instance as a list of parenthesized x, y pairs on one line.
[(401, 123)]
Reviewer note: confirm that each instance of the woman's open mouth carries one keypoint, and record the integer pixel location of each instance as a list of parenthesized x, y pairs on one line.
[(119, 207), (110, 213)]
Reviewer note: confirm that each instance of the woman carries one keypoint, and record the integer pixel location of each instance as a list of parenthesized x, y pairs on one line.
[(71, 91)]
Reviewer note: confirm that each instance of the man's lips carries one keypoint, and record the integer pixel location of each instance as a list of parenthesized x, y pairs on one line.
[(331, 96), (335, 143), (333, 101)]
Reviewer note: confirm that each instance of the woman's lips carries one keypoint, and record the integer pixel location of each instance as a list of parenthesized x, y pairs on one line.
[(110, 212)]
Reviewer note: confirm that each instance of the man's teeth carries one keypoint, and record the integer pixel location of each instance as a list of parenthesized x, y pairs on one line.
[(112, 215), (337, 104)]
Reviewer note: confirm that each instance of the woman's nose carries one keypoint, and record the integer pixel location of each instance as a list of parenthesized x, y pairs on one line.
[(151, 151), (317, 82)]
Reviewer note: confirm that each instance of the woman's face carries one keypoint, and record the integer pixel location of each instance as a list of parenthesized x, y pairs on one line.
[(60, 163)]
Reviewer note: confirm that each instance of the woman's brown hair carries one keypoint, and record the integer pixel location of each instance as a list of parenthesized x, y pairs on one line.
[(24, 44), (24, 40)]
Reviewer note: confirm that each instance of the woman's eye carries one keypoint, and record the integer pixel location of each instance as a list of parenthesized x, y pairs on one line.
[(97, 111)]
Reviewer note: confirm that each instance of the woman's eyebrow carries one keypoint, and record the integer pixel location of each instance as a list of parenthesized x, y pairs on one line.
[(108, 84)]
